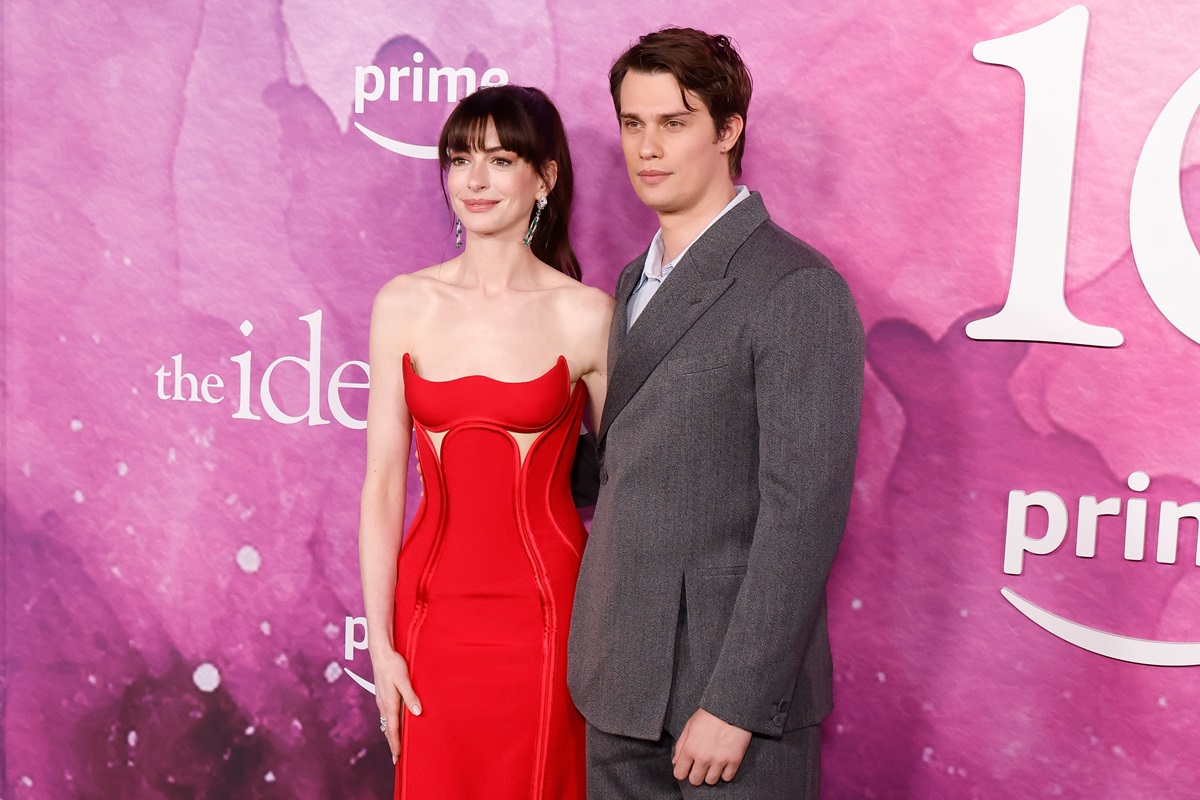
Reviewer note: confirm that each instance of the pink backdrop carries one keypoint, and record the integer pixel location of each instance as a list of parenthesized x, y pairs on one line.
[(178, 576)]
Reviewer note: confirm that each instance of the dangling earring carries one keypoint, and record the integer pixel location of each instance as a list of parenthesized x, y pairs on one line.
[(457, 234), (537, 215)]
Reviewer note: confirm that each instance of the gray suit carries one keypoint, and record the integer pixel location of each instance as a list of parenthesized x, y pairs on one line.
[(728, 443)]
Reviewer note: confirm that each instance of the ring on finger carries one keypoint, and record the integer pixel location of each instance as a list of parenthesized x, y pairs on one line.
[(383, 724)]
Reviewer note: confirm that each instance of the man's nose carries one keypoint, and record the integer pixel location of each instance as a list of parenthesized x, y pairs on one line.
[(651, 145)]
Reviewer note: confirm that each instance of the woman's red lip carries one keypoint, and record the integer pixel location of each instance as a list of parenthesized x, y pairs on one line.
[(652, 173), (479, 205)]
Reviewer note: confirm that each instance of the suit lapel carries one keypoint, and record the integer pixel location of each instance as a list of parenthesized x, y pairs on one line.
[(674, 308), (693, 286), (625, 283)]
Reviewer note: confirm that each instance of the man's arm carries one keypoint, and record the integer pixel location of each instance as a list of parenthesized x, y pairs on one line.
[(585, 471), (808, 372)]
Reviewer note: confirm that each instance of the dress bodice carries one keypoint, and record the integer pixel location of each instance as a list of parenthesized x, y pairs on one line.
[(525, 406), (487, 443)]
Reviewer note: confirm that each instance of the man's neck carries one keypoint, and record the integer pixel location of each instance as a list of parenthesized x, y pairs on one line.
[(680, 228)]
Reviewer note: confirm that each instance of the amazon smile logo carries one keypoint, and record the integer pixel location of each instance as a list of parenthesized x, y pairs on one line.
[(416, 83), (1018, 544), (356, 642)]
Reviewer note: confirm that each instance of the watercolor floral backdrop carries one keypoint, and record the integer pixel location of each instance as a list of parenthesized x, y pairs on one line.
[(186, 193)]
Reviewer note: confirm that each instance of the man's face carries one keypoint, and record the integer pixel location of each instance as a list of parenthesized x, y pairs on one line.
[(674, 156)]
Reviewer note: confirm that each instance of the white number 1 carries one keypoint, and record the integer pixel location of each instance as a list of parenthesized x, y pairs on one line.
[(1050, 60)]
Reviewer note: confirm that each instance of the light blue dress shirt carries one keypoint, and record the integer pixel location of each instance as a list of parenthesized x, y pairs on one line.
[(654, 272)]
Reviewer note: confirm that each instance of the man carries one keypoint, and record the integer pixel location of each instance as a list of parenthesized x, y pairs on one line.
[(699, 650)]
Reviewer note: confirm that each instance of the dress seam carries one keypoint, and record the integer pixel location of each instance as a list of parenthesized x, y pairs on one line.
[(422, 599), (549, 629)]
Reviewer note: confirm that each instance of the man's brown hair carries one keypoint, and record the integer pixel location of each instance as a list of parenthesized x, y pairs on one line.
[(706, 65)]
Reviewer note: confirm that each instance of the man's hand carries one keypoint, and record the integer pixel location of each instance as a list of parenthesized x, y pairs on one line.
[(709, 750)]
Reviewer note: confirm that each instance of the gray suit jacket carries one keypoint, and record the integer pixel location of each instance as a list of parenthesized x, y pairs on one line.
[(728, 443)]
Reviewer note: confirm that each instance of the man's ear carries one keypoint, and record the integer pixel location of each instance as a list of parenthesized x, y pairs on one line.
[(549, 177), (728, 135)]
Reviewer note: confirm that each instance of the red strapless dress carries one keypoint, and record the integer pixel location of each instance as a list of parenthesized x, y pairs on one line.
[(483, 599)]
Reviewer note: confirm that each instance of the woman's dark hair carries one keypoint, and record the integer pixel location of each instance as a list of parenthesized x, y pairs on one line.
[(707, 65), (528, 124)]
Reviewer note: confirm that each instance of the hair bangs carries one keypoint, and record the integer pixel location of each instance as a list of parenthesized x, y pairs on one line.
[(467, 127)]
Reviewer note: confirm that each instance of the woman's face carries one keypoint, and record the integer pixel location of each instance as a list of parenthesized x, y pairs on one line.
[(492, 190)]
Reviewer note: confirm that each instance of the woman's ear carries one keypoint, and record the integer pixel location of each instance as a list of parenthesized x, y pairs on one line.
[(549, 177)]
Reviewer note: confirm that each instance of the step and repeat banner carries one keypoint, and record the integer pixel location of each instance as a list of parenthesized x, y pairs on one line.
[(200, 200)]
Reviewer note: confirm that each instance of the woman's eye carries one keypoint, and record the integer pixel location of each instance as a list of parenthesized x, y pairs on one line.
[(502, 162)]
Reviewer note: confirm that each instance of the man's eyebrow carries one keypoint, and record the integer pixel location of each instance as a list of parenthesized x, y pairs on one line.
[(668, 115)]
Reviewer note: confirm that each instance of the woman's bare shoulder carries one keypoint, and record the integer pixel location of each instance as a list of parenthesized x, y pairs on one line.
[(579, 295), (412, 290), (589, 302), (585, 313)]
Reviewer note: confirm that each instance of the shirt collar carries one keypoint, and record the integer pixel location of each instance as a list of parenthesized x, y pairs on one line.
[(654, 269)]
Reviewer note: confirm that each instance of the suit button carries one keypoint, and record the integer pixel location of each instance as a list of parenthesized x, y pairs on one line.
[(603, 475), (779, 720), (782, 705)]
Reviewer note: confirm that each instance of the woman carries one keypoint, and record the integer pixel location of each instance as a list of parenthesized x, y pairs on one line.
[(488, 359)]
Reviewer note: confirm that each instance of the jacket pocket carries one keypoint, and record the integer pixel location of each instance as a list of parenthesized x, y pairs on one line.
[(699, 363), (711, 593)]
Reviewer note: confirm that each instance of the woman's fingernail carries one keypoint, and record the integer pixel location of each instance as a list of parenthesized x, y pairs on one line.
[(416, 710), (393, 760)]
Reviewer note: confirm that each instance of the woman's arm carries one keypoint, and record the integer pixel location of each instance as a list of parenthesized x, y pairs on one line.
[(590, 348), (595, 322), (381, 520)]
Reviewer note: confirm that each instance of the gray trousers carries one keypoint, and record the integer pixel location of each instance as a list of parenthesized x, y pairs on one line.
[(784, 768)]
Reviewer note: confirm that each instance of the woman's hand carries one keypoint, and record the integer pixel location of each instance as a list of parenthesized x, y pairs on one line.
[(392, 687)]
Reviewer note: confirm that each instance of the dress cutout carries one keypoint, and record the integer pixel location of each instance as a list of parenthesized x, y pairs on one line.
[(486, 579)]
